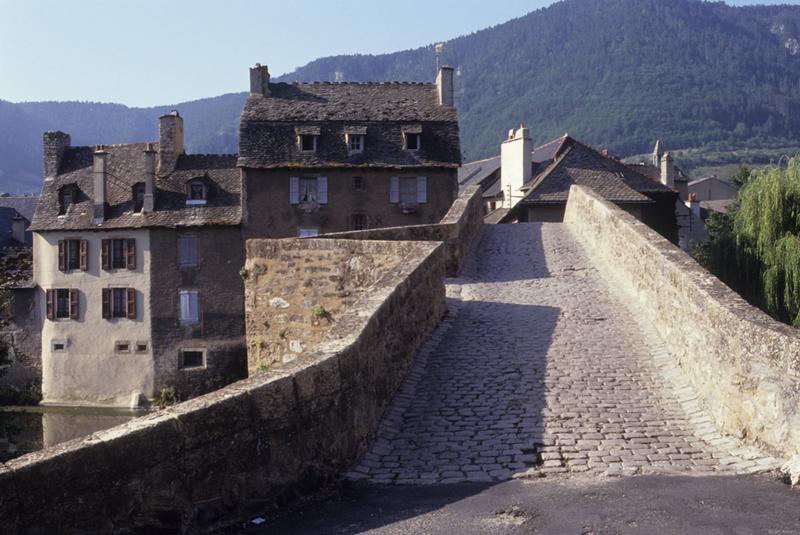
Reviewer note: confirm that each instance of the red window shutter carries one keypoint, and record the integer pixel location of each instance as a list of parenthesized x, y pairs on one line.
[(131, 252), (84, 255), (73, 304), (51, 305), (106, 302), (105, 254), (62, 255), (131, 303)]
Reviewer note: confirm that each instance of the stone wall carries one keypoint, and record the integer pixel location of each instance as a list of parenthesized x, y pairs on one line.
[(260, 441), (456, 229), (744, 365)]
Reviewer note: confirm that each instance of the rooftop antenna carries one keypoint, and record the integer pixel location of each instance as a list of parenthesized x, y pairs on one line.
[(438, 48)]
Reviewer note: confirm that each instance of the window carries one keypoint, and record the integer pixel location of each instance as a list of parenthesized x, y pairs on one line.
[(121, 346), (412, 141), (355, 143), (196, 193), (138, 197), (73, 254), (307, 232), (308, 190), (66, 197), (192, 358), (408, 190), (189, 306), (358, 222), (119, 303), (59, 345), (308, 142), (187, 251), (141, 347), (358, 183), (62, 303), (118, 254)]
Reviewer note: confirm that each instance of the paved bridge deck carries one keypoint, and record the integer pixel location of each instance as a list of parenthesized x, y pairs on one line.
[(543, 368)]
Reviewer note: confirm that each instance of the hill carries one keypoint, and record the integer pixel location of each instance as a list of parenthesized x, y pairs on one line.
[(615, 73)]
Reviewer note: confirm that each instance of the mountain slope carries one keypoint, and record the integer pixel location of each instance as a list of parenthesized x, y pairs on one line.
[(614, 73)]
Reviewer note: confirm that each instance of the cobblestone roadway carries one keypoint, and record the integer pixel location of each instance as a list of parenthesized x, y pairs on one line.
[(541, 369)]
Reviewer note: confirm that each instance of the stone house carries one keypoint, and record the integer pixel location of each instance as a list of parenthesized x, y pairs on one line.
[(328, 157), (137, 251), (532, 184), (711, 188)]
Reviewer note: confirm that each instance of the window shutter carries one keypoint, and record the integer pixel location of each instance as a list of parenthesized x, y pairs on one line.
[(130, 251), (106, 302), (84, 263), (73, 304), (394, 190), (422, 189), (105, 254), (184, 305), (51, 305), (322, 189), (62, 255), (294, 190), (131, 303)]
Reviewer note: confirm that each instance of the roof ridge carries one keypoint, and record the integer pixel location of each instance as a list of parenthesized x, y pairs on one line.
[(376, 83)]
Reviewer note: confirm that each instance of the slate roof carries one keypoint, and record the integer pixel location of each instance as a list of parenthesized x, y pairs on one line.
[(654, 173), (126, 168), (25, 205), (580, 164), (269, 124)]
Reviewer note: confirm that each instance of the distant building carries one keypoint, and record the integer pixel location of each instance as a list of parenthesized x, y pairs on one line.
[(16, 213), (532, 184), (137, 251), (327, 157), (711, 188)]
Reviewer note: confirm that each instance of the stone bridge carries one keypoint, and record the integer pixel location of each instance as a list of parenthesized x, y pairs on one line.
[(544, 367)]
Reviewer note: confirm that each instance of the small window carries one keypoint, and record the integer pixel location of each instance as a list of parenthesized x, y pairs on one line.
[(355, 143), (408, 190), (122, 346), (187, 249), (307, 232), (358, 221), (358, 183), (308, 190), (138, 197), (118, 256), (119, 302), (59, 345), (308, 142), (412, 141), (66, 197), (73, 255), (196, 193), (62, 303), (190, 312), (192, 358), (141, 347)]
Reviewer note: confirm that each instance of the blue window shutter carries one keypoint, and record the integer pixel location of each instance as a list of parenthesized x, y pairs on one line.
[(394, 190), (322, 190), (422, 189), (294, 190)]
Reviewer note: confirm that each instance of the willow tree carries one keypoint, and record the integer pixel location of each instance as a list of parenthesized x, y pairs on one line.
[(763, 246)]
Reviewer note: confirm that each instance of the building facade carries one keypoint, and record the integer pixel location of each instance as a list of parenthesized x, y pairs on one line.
[(329, 157)]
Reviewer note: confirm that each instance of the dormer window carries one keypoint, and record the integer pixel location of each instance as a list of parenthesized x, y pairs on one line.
[(354, 137), (196, 193), (138, 197), (307, 138), (412, 137), (66, 197)]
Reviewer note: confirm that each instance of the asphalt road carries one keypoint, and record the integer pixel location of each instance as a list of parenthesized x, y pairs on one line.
[(759, 504)]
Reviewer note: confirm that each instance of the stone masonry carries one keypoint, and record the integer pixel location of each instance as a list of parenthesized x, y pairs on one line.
[(542, 369)]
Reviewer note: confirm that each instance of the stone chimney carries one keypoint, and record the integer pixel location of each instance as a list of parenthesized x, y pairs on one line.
[(259, 80), (444, 86), (99, 171), (515, 164), (170, 142), (54, 145), (149, 178), (667, 170)]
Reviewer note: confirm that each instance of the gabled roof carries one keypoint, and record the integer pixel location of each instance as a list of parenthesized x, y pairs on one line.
[(125, 167), (707, 179), (268, 127), (654, 173), (580, 164), (24, 205)]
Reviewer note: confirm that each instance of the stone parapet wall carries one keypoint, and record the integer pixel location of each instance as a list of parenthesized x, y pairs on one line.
[(456, 229), (259, 441), (744, 365)]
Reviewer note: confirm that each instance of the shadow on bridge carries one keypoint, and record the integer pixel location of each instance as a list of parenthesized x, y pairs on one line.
[(489, 256)]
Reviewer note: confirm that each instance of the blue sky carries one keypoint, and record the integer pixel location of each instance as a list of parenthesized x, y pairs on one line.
[(148, 52)]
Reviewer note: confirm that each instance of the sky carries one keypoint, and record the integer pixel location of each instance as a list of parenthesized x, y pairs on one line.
[(154, 52)]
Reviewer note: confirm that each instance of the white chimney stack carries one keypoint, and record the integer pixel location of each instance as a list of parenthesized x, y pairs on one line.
[(149, 178), (99, 187), (444, 86), (516, 168), (667, 170)]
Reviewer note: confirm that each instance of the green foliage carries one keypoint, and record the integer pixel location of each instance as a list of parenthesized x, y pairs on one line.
[(166, 397), (742, 176), (319, 312), (244, 273), (755, 248)]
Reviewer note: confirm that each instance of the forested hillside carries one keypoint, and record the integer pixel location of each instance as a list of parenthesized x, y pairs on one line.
[(615, 73)]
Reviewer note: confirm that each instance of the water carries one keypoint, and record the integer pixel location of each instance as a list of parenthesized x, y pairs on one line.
[(27, 429)]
